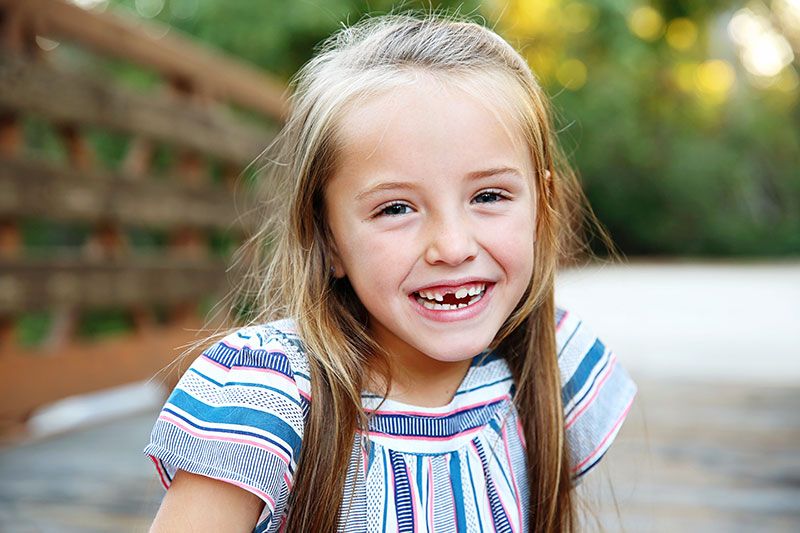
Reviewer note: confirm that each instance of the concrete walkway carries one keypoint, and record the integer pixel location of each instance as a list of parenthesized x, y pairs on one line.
[(712, 445)]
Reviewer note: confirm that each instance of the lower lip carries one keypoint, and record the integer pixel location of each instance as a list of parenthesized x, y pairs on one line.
[(453, 315)]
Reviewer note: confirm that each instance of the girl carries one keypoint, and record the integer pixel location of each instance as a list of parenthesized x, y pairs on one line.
[(422, 379)]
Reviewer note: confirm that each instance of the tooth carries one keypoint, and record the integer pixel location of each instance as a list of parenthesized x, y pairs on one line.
[(439, 297), (474, 299), (474, 290), (461, 293), (461, 305), (428, 305)]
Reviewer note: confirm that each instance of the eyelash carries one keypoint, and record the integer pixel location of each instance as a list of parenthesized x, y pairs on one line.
[(383, 210), (496, 193)]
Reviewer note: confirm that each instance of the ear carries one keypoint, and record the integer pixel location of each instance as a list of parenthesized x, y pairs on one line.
[(337, 267)]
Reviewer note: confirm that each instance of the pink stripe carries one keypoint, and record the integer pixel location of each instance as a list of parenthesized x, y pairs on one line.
[(488, 502), (304, 394), (161, 474), (430, 493), (597, 388), (427, 439), (264, 496), (521, 433), (218, 365), (563, 319), (287, 480), (455, 411), (513, 477), (608, 436), (269, 371), (413, 497), (210, 435)]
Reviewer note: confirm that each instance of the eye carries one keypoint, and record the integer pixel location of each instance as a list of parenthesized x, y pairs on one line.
[(489, 196), (394, 209)]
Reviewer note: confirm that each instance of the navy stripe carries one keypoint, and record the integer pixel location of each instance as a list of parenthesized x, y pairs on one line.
[(433, 426), (578, 379), (402, 493), (241, 416)]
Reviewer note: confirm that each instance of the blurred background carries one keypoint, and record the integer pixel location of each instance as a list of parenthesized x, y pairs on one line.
[(126, 131)]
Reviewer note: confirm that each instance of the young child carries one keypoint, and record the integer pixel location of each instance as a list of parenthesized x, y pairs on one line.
[(422, 378)]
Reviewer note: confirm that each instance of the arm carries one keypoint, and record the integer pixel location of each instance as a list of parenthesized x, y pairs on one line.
[(186, 506)]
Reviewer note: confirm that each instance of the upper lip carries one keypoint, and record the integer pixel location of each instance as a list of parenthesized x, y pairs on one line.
[(451, 283)]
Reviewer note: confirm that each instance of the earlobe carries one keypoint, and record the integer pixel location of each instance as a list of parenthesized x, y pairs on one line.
[(337, 269)]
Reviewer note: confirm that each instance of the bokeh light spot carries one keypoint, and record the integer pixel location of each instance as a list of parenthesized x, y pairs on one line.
[(646, 23), (571, 74), (681, 33), (715, 78)]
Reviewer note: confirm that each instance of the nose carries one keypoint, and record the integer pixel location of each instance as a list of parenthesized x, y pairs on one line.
[(451, 240)]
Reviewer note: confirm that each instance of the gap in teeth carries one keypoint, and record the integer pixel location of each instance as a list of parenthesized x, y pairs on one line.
[(431, 299)]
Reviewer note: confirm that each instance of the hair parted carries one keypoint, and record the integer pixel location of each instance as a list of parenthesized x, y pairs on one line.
[(289, 258)]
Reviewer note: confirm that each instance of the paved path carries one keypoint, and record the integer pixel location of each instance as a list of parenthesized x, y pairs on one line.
[(712, 445)]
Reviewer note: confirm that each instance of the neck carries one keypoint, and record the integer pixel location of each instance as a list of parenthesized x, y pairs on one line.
[(425, 382)]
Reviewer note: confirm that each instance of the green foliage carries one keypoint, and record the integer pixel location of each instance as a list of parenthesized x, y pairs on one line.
[(668, 169)]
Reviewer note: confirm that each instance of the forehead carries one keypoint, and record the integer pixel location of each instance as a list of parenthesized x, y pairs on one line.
[(430, 126)]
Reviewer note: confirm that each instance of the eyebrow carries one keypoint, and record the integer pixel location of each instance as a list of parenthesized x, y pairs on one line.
[(404, 185)]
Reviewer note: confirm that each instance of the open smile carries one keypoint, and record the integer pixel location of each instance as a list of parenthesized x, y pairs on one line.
[(450, 298)]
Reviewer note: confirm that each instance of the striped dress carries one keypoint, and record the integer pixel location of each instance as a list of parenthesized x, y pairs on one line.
[(238, 414)]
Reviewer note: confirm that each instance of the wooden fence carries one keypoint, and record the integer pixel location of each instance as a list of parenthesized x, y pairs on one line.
[(102, 206)]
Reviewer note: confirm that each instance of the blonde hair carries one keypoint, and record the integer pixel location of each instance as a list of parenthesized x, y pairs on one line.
[(291, 255)]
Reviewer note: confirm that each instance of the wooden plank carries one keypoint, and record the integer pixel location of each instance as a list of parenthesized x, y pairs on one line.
[(36, 188), (29, 87), (45, 283), (32, 379), (173, 55)]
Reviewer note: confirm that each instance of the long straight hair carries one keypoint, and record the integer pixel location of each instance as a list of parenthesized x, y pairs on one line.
[(290, 256)]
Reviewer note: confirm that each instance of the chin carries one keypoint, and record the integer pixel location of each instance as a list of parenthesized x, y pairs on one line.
[(457, 352)]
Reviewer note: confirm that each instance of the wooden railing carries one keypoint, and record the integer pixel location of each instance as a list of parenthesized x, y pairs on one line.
[(102, 207)]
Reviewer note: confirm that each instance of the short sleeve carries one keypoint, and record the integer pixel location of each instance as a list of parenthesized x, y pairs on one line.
[(236, 415), (597, 392)]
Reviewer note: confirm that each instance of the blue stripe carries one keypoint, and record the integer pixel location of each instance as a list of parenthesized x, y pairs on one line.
[(566, 343), (458, 492), (479, 387), (264, 525), (402, 493), (474, 495), (590, 389), (581, 374), (430, 426), (385, 492), (499, 517), (241, 416), (246, 384)]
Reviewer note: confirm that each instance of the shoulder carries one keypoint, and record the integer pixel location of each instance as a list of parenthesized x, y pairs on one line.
[(274, 347), (596, 391)]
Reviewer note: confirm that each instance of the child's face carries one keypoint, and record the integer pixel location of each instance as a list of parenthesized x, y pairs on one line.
[(432, 200)]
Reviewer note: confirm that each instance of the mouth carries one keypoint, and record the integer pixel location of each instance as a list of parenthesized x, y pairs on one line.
[(450, 298)]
